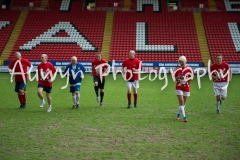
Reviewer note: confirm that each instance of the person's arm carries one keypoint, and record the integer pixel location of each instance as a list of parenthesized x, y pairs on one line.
[(82, 68), (230, 74), (177, 75), (123, 67), (139, 68), (29, 67), (53, 69), (66, 70), (105, 67), (93, 69), (10, 67)]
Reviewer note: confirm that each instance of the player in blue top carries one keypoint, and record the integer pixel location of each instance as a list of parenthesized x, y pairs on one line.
[(76, 74)]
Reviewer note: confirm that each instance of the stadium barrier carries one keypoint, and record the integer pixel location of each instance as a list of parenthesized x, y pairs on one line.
[(148, 67)]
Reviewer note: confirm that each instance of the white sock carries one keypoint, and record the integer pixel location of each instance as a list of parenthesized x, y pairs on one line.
[(74, 99), (77, 98), (183, 111), (218, 105), (179, 110), (43, 100), (50, 105)]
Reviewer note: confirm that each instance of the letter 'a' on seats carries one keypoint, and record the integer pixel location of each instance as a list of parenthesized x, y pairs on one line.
[(75, 37)]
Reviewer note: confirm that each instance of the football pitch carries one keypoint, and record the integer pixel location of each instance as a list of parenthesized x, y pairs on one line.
[(115, 132)]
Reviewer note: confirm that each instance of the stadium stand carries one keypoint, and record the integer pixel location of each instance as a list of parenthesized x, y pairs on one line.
[(8, 20), (150, 29), (176, 28), (192, 4), (108, 3), (221, 29), (40, 24)]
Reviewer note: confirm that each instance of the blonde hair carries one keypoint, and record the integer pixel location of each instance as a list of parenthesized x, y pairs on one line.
[(183, 59)]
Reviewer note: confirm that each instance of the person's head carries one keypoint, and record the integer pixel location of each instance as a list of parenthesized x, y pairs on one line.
[(17, 55), (98, 56), (44, 58), (132, 54), (218, 59), (182, 61), (74, 60)]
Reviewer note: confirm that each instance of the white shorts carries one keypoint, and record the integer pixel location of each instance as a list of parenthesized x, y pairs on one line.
[(220, 88), (179, 92), (134, 84)]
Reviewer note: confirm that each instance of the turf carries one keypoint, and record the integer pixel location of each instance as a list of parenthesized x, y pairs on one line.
[(115, 132)]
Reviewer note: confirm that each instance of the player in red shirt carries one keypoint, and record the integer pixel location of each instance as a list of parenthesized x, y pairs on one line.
[(131, 67), (45, 73), (98, 83), (20, 65), (183, 75), (220, 72)]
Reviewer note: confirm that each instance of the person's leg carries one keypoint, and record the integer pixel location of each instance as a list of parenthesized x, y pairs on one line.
[(223, 92), (185, 96), (129, 88), (95, 80), (22, 97), (77, 93), (49, 98), (19, 93), (135, 97), (217, 90), (218, 103), (101, 86), (74, 99), (22, 94), (181, 106), (40, 95), (135, 87)]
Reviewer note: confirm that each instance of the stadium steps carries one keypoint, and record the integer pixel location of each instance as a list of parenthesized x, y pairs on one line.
[(107, 35), (44, 3), (202, 40), (212, 4), (127, 4), (13, 38)]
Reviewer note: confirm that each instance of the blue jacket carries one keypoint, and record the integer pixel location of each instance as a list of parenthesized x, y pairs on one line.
[(76, 72)]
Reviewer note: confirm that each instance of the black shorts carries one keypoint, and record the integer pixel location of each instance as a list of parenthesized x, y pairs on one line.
[(100, 84), (20, 85), (46, 89)]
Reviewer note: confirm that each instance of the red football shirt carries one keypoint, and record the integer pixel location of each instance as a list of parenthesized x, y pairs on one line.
[(95, 63), (130, 64), (224, 67), (45, 69), (186, 72), (24, 63)]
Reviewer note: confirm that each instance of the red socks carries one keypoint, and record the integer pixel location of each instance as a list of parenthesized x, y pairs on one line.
[(22, 98), (129, 97), (135, 98)]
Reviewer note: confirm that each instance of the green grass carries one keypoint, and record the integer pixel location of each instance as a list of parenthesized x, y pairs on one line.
[(115, 132)]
